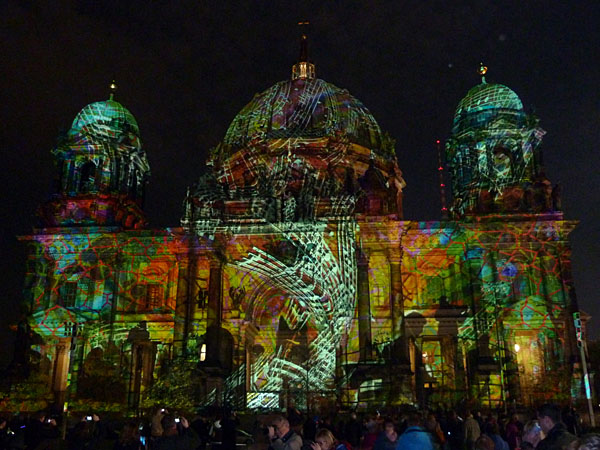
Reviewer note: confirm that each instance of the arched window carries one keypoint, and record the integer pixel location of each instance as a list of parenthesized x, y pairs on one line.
[(502, 163), (87, 176), (217, 349)]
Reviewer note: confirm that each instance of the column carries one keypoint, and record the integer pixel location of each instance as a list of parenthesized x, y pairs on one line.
[(215, 305), (396, 300), (364, 307), (181, 303)]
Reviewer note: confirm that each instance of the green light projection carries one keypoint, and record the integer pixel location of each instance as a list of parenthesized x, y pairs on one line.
[(493, 155), (102, 171)]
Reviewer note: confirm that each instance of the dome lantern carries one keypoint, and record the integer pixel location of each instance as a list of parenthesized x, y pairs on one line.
[(303, 69), (113, 89)]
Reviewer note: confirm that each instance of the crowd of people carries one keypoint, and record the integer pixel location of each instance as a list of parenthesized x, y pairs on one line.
[(548, 428)]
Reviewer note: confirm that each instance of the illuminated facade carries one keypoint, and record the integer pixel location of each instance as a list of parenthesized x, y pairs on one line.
[(294, 276)]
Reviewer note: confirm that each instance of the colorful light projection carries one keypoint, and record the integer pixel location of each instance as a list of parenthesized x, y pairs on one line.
[(105, 296), (294, 274), (296, 283), (504, 281), (268, 173), (89, 271), (304, 108), (106, 283), (102, 171), (493, 155), (492, 285), (289, 167), (320, 291)]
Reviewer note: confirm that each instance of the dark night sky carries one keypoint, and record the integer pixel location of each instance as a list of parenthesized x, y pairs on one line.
[(185, 69)]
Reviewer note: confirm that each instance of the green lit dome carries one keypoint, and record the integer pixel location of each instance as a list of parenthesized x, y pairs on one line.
[(106, 120), (486, 96), (302, 109)]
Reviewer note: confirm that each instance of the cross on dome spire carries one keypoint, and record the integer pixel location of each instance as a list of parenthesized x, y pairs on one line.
[(113, 88), (303, 68), (482, 71)]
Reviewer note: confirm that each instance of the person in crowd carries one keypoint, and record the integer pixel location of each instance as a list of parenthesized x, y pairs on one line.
[(324, 440), (16, 425), (570, 418), (589, 442), (86, 434), (177, 434), (216, 430), (484, 442), (6, 434), (310, 427), (454, 431), (370, 433), (229, 426), (353, 430), (327, 423), (388, 438), (202, 428), (532, 435), (414, 437), (156, 429), (11, 439), (492, 430), (42, 433), (557, 436), (129, 438), (401, 423), (513, 431), (479, 418), (434, 428), (282, 437), (295, 418), (471, 430)]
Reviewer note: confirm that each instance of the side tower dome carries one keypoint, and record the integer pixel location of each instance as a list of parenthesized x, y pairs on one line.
[(485, 100), (102, 170), (106, 120), (494, 157)]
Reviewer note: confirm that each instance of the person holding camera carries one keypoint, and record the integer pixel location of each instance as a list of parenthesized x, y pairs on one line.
[(86, 434), (532, 435), (156, 427), (130, 438), (177, 434), (41, 432), (282, 437), (9, 438)]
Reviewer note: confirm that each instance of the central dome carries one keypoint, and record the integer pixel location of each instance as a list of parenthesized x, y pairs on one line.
[(301, 149), (302, 109)]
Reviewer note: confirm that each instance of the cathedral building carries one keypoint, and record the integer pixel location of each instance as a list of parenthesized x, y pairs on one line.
[(294, 275)]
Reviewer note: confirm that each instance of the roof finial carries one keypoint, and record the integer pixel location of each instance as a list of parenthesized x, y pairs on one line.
[(113, 89), (303, 68), (482, 71)]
